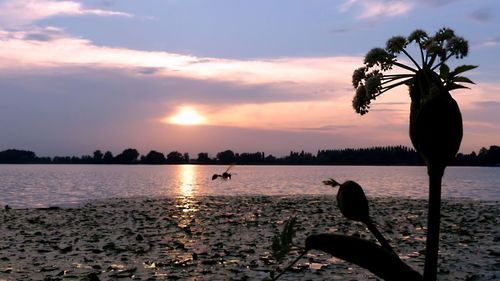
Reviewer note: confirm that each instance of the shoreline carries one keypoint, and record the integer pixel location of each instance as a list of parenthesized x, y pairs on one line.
[(229, 238)]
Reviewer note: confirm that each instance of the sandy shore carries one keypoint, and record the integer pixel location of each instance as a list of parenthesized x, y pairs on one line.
[(228, 238)]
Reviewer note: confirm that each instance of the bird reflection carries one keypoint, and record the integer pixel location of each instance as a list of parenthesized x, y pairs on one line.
[(226, 175)]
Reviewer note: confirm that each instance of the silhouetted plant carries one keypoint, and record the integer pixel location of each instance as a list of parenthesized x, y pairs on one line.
[(435, 131), (381, 260), (353, 204), (435, 119), (283, 244)]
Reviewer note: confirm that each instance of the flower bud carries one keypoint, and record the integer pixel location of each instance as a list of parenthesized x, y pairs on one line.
[(351, 200), (435, 121)]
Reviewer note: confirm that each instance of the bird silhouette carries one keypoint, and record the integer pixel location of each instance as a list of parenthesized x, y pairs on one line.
[(226, 175)]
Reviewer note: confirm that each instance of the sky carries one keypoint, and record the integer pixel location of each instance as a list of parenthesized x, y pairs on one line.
[(260, 75)]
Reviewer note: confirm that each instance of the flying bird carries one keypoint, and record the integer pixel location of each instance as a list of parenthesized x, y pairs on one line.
[(226, 175)]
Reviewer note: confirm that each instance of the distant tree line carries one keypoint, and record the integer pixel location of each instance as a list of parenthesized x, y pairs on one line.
[(387, 155)]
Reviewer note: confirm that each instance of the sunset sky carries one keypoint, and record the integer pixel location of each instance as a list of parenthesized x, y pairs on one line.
[(209, 75)]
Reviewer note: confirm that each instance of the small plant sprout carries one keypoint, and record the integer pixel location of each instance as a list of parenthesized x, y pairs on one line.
[(283, 244)]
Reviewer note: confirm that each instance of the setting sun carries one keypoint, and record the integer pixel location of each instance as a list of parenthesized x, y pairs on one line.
[(187, 116)]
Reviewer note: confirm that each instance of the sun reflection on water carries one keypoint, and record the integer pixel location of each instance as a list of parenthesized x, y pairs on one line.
[(187, 180), (185, 202), (185, 216), (187, 186)]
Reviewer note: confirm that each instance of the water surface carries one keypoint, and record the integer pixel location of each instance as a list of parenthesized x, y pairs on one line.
[(61, 185)]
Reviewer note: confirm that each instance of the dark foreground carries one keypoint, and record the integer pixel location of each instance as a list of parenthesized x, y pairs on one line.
[(229, 238)]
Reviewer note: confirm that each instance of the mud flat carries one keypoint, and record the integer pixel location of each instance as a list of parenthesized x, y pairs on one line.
[(229, 238)]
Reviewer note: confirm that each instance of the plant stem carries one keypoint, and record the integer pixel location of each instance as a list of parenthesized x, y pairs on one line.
[(290, 265), (421, 54), (414, 62), (439, 64), (433, 221), (380, 238), (404, 66), (431, 62), (392, 76), (387, 88)]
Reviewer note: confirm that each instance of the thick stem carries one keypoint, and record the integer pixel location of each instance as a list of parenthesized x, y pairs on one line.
[(380, 238), (433, 221)]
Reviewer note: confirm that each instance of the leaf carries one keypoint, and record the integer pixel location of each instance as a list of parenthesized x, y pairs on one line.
[(454, 86), (462, 79), (444, 71), (282, 243), (366, 254), (463, 68)]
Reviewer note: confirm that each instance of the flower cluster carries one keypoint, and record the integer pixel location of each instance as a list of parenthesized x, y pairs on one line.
[(370, 80)]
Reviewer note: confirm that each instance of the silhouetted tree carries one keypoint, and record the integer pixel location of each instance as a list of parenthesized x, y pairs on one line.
[(174, 157), (14, 156), (386, 155), (61, 160), (108, 157), (226, 157), (203, 158), (97, 159), (185, 158), (270, 159), (128, 156), (154, 157), (250, 158)]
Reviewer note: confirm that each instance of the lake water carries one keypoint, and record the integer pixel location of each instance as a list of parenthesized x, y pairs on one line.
[(65, 185)]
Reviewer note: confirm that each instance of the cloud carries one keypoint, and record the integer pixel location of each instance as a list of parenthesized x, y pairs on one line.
[(44, 34), (385, 9), (50, 47), (481, 15), (378, 8), (14, 13), (64, 91), (490, 42), (371, 9), (79, 109)]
